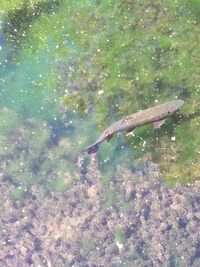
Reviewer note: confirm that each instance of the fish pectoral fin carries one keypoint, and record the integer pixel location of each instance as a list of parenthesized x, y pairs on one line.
[(108, 137), (157, 124), (130, 130)]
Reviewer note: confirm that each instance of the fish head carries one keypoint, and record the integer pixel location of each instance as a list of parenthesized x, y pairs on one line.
[(180, 103), (173, 106)]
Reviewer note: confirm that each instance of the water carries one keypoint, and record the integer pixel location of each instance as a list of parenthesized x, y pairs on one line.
[(62, 81)]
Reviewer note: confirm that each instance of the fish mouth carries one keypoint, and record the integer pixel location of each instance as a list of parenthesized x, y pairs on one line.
[(180, 103), (175, 106)]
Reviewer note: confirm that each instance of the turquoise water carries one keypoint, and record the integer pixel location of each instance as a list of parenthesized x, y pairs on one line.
[(60, 207), (30, 114), (24, 85)]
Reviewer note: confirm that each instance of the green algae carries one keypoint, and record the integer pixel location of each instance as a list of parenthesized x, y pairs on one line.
[(120, 235), (124, 207), (60, 185), (106, 178), (110, 196), (125, 61), (17, 193), (87, 245), (8, 121), (30, 157)]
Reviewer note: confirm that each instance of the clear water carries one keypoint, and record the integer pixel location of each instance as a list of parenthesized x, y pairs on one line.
[(62, 207)]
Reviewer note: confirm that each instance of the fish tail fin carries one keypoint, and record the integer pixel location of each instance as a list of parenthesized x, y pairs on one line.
[(93, 148)]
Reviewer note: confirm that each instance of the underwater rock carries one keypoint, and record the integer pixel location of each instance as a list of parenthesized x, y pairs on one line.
[(75, 228)]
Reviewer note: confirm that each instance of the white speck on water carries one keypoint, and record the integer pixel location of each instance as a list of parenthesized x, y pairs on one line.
[(100, 92), (120, 246), (173, 138), (105, 160), (131, 133)]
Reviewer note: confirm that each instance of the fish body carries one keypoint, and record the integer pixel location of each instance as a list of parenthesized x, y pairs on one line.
[(154, 114)]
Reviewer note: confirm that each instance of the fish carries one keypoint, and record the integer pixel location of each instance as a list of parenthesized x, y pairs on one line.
[(155, 115)]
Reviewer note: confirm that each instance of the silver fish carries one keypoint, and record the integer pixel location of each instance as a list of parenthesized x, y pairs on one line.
[(155, 115)]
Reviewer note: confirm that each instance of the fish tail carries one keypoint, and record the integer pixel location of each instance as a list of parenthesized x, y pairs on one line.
[(93, 148)]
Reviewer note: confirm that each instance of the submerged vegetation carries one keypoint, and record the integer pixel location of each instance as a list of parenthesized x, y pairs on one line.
[(115, 60), (158, 227), (102, 60), (29, 155)]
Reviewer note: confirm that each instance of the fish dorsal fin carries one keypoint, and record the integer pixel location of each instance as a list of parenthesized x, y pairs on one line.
[(108, 137), (157, 124), (130, 130)]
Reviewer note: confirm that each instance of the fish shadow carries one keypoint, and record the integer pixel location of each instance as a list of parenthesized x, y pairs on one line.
[(177, 119), (185, 117)]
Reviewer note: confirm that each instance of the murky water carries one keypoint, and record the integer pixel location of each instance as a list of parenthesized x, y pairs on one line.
[(136, 202)]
